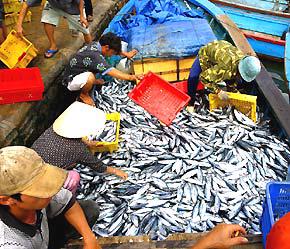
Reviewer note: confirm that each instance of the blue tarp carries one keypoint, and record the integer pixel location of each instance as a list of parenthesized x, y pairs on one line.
[(162, 28), (171, 39)]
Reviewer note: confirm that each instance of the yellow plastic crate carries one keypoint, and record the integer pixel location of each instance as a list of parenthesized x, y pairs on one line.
[(11, 19), (244, 103), (171, 70), (9, 28), (12, 7), (17, 52), (27, 17), (107, 146)]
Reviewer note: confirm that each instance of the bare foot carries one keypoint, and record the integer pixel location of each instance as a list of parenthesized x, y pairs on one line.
[(87, 99)]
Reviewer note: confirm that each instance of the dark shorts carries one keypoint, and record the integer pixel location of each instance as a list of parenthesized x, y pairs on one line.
[(60, 231)]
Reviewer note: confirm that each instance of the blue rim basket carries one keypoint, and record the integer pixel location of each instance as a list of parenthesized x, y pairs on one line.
[(276, 205)]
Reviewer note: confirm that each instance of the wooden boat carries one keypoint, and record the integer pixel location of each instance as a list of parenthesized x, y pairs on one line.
[(177, 68), (265, 24), (270, 98)]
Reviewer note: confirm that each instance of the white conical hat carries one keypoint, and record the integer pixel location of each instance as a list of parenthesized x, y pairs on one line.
[(80, 120)]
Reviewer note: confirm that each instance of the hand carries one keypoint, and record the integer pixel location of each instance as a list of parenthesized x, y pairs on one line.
[(19, 30), (84, 22), (72, 181), (221, 237), (122, 174), (130, 54), (137, 77), (117, 172), (190, 109), (223, 95), (91, 242)]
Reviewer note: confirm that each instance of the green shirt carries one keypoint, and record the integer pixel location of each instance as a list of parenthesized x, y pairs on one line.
[(219, 62)]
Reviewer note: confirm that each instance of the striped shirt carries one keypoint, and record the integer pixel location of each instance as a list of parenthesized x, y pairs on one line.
[(219, 62)]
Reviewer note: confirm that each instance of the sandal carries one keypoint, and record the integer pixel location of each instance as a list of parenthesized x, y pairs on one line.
[(50, 53), (90, 18)]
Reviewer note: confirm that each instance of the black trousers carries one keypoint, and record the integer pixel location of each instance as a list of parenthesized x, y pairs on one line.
[(60, 231), (88, 7)]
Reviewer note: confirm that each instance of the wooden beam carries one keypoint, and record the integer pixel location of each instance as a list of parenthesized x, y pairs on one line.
[(236, 34), (180, 240), (279, 106)]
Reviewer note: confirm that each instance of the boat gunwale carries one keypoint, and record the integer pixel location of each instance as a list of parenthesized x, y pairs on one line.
[(253, 9)]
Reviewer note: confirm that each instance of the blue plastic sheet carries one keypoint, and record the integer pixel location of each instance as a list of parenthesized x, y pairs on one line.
[(170, 39), (162, 28)]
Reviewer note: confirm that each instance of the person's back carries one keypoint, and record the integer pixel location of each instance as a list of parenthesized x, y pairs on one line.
[(87, 59), (58, 150), (219, 61)]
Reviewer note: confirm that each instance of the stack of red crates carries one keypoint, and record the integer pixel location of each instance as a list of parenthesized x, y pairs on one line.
[(20, 85)]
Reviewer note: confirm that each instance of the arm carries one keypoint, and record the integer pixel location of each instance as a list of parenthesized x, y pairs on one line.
[(75, 216), (123, 76), (117, 172), (222, 236), (83, 20), (21, 17), (95, 164), (130, 54)]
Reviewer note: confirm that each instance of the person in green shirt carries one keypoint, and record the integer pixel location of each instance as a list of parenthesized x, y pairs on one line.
[(221, 62)]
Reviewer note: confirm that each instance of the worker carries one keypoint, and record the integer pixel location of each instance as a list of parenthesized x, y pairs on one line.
[(80, 73), (71, 10), (219, 63), (221, 237), (62, 145), (35, 211), (279, 235)]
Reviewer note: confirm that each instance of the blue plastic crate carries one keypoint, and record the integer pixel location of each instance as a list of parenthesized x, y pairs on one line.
[(276, 205)]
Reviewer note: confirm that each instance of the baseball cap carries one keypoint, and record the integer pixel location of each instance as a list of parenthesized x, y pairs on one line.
[(279, 235), (80, 120), (23, 171), (249, 68)]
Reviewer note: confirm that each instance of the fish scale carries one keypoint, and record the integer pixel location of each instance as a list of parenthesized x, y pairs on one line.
[(210, 143)]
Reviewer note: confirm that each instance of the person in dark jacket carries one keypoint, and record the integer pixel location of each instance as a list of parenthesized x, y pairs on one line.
[(61, 144)]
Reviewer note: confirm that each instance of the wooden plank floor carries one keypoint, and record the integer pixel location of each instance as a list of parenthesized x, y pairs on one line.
[(172, 242)]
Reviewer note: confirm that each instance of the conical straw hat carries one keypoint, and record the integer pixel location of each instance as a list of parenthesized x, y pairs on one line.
[(80, 120)]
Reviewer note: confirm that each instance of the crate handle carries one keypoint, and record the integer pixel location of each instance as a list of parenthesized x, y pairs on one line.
[(21, 57)]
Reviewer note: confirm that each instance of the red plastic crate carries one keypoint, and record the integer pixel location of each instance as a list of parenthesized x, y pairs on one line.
[(182, 86), (159, 97), (21, 84)]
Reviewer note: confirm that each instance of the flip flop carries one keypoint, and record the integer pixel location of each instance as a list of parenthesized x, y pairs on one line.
[(50, 53)]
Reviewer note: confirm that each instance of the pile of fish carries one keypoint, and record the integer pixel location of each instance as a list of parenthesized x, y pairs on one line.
[(108, 134), (205, 168)]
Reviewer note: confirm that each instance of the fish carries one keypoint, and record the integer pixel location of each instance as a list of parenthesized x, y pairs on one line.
[(205, 168)]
